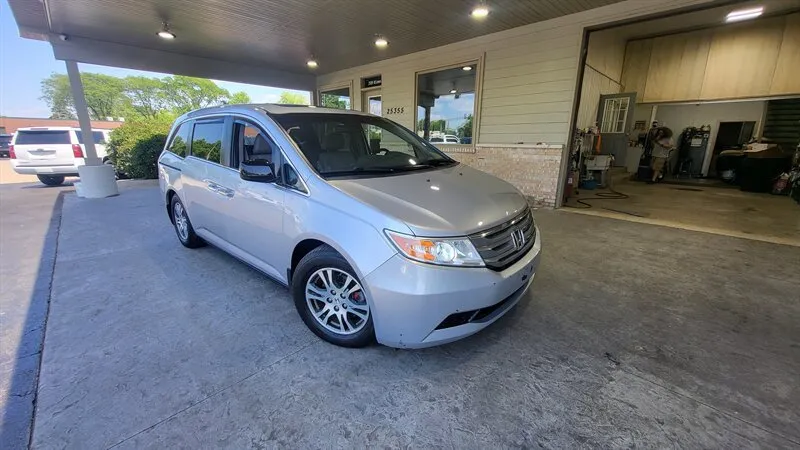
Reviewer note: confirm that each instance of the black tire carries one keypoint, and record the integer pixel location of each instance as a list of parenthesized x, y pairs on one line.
[(189, 239), (51, 180), (320, 258)]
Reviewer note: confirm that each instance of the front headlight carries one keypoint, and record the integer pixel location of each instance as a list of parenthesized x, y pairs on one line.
[(443, 251)]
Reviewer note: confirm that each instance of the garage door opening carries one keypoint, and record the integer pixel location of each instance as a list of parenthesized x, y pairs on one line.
[(694, 122)]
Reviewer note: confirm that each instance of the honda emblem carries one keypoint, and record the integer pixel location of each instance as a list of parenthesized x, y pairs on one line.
[(517, 238)]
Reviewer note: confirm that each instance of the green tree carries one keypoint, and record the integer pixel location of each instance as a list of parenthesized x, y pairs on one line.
[(293, 98), (134, 147), (104, 96), (465, 130), (146, 95), (333, 101), (239, 98), (135, 96), (56, 92), (436, 125), (185, 94)]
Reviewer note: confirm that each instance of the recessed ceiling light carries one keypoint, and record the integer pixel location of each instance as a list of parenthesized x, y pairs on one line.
[(165, 33), (312, 64), (466, 68), (744, 14), (381, 42), (453, 91), (480, 12)]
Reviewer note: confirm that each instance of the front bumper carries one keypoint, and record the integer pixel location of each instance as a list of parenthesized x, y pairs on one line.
[(417, 305)]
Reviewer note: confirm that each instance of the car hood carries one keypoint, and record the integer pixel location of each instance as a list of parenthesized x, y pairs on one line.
[(451, 201)]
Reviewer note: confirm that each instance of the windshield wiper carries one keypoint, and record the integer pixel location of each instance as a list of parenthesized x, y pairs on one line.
[(431, 164), (440, 162), (359, 171)]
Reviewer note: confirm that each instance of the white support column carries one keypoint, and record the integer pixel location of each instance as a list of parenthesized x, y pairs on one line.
[(98, 180), (78, 97)]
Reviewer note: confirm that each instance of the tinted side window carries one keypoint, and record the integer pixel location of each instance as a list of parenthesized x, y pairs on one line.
[(180, 140), (289, 177), (250, 143), (98, 136), (207, 141)]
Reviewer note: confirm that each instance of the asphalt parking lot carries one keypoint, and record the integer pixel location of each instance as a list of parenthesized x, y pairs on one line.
[(632, 335)]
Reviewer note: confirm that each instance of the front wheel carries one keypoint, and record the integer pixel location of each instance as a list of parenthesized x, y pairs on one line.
[(51, 180), (330, 299)]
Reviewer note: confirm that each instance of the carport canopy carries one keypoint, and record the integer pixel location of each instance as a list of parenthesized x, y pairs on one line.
[(263, 42)]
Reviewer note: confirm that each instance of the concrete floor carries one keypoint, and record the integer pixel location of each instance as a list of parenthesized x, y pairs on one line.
[(8, 176), (632, 335), (29, 219), (726, 211)]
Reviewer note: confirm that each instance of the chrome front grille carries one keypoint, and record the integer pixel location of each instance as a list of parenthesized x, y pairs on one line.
[(504, 244)]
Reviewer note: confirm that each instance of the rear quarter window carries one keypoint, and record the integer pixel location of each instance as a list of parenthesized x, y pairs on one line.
[(98, 136), (35, 137), (180, 140)]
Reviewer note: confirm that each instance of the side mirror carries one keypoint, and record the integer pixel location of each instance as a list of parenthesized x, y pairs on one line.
[(260, 171)]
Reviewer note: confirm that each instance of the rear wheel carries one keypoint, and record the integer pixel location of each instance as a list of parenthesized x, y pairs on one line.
[(183, 227), (51, 180), (330, 299)]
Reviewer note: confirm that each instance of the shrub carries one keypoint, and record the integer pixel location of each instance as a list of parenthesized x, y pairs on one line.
[(134, 147)]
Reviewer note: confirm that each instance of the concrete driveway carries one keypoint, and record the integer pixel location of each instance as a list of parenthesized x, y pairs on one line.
[(633, 335), (30, 214)]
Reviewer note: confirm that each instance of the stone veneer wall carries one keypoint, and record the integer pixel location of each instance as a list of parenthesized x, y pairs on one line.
[(533, 169)]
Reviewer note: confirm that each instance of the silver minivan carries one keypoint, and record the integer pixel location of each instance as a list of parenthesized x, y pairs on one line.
[(377, 233)]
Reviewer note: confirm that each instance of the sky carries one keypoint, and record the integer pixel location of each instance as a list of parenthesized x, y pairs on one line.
[(24, 63)]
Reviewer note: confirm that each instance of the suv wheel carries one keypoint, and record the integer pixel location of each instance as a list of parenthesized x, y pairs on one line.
[(183, 227), (51, 180), (330, 299)]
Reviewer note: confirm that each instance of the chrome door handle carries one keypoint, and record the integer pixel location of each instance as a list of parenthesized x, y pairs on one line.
[(218, 189)]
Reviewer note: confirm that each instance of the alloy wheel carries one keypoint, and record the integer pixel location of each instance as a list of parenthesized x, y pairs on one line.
[(337, 301), (181, 221)]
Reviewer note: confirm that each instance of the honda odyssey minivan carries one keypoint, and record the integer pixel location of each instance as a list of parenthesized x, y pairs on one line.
[(377, 233)]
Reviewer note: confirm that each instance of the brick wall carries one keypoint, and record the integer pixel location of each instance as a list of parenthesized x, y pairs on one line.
[(533, 169)]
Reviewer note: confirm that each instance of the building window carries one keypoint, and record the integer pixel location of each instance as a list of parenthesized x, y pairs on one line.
[(338, 98), (615, 115), (446, 104)]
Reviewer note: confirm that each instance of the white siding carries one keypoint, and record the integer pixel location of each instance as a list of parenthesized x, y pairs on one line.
[(594, 85), (529, 74), (602, 75)]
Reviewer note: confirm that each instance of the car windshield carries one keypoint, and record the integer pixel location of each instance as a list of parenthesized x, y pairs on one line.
[(42, 137), (352, 144)]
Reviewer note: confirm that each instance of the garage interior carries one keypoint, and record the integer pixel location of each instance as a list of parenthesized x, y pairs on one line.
[(725, 81)]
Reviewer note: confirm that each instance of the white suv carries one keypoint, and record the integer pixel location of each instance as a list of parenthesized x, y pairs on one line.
[(53, 153), (445, 139)]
